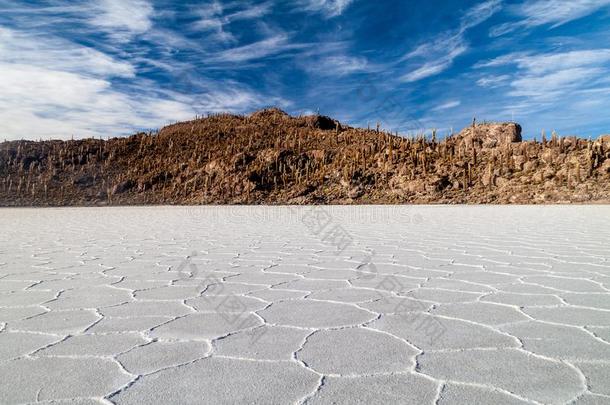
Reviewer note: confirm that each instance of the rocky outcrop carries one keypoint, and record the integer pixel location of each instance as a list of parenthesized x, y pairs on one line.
[(490, 135), (270, 157)]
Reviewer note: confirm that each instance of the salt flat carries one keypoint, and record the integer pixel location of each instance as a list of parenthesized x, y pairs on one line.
[(321, 305)]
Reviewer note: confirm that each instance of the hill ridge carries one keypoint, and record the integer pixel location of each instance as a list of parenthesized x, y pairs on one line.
[(270, 157)]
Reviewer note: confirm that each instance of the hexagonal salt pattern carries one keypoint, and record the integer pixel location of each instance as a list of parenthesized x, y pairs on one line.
[(316, 305)]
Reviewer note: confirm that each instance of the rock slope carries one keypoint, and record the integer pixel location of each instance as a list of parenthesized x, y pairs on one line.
[(270, 157)]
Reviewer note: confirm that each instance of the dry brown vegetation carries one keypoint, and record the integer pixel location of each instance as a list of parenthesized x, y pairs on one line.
[(272, 158)]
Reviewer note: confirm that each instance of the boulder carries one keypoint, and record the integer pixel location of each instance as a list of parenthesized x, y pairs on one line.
[(322, 122), (491, 135), (123, 187)]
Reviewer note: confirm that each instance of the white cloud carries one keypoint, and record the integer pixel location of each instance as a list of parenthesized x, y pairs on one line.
[(429, 69), (440, 52), (546, 76), (122, 19), (553, 84), (493, 81), (330, 8), (58, 54), (545, 12), (215, 17), (270, 46), (446, 52), (339, 65), (448, 105), (55, 88), (479, 14)]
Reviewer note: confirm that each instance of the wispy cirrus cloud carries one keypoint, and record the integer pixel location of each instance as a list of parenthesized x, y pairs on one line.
[(440, 52), (548, 12), (57, 54), (215, 17), (270, 46), (544, 77), (121, 19), (448, 105), (329, 8), (55, 88), (339, 65), (492, 81)]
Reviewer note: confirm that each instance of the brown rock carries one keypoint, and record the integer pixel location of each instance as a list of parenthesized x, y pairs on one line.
[(491, 135), (123, 187)]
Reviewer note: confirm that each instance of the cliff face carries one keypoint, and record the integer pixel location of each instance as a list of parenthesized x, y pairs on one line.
[(272, 158)]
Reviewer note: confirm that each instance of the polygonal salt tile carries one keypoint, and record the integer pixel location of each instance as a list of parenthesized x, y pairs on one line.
[(578, 267), (386, 284), (168, 293), (464, 267), (58, 322), (570, 315), (147, 308), (159, 355), (312, 285), (226, 303), (443, 296), (590, 399), (565, 284), (291, 268), (137, 285), (34, 276), (17, 313), (558, 341), (201, 326), (273, 295), (230, 288), (428, 332), (522, 300), (261, 277), (356, 351), (50, 378), (407, 389), (593, 300), (512, 370), (94, 297), (165, 276), (74, 401), (467, 394), (601, 332), (391, 305), (416, 260), (486, 277), (315, 314), (94, 345), (523, 288), (336, 265), (598, 376), (139, 324), (263, 343), (226, 381), (353, 295), (333, 274), (451, 284), (16, 344), (74, 282), (415, 274), (9, 286), (25, 298), (480, 312)]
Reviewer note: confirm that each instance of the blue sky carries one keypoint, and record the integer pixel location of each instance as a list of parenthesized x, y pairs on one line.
[(110, 67)]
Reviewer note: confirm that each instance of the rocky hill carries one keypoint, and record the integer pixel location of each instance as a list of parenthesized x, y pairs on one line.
[(270, 157)]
